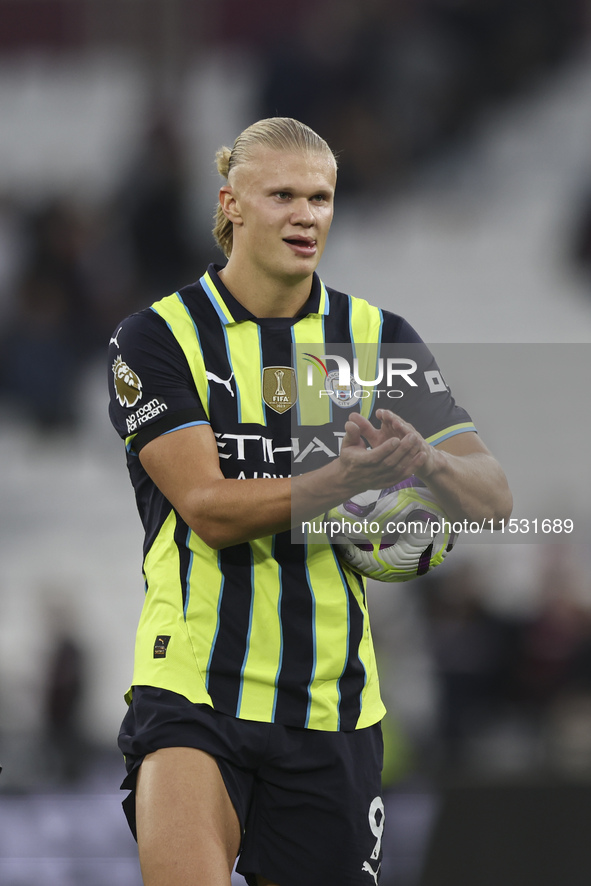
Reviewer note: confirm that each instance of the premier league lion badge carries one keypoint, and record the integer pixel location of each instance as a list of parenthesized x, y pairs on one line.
[(128, 386)]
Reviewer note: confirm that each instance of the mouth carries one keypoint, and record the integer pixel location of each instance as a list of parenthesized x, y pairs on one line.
[(301, 245)]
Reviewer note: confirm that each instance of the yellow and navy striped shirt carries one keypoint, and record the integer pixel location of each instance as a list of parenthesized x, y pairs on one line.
[(267, 630)]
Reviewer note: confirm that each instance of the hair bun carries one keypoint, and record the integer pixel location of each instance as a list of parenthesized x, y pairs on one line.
[(222, 159)]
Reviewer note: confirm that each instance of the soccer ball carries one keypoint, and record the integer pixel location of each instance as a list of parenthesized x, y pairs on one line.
[(392, 534)]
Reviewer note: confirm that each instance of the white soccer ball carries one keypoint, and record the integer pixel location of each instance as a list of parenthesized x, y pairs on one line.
[(392, 534)]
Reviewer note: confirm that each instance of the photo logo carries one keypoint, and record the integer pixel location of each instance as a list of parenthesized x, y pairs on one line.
[(339, 385), (395, 367), (347, 388)]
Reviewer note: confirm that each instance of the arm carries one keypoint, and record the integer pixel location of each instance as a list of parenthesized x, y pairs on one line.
[(467, 480), (185, 467)]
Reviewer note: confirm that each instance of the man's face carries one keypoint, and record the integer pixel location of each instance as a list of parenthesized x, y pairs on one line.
[(283, 208)]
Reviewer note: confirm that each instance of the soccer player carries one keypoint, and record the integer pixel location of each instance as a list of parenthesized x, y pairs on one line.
[(253, 726)]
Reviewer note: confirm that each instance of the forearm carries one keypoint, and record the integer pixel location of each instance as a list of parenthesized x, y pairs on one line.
[(466, 479), (225, 511), (228, 512), (468, 487)]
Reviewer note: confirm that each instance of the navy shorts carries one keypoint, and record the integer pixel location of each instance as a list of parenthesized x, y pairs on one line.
[(309, 802)]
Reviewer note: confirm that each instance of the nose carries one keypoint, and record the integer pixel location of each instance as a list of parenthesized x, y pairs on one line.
[(301, 213)]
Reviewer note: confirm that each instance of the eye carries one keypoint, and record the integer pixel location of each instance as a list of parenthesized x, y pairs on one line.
[(283, 195)]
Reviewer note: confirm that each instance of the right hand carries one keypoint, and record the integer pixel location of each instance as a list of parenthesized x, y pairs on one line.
[(396, 449)]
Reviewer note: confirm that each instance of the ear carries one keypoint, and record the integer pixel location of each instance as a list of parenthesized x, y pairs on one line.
[(229, 204)]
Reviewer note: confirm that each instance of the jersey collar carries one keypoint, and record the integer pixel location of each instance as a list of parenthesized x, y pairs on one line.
[(229, 310)]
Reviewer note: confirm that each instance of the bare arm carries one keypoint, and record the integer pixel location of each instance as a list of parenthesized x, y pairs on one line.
[(185, 467), (466, 479)]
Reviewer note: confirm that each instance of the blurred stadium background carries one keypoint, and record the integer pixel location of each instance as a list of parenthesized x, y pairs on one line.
[(464, 133)]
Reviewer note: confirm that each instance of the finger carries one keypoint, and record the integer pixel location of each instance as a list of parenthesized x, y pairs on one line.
[(352, 435), (365, 429), (393, 451), (360, 421), (403, 452), (376, 436), (393, 423), (405, 443)]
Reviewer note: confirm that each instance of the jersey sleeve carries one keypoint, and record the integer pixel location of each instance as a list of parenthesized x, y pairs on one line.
[(151, 388), (423, 397)]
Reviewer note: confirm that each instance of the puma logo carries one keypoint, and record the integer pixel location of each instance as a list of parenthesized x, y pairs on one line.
[(368, 868), (221, 381), (113, 339)]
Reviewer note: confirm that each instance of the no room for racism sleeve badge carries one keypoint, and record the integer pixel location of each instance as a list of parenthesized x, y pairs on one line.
[(280, 390)]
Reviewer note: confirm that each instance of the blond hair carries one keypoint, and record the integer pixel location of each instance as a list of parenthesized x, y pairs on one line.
[(279, 133)]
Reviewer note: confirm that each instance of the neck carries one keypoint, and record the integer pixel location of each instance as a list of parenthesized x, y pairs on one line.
[(266, 296)]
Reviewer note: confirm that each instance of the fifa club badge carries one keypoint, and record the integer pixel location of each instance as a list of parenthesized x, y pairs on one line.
[(280, 390), (128, 386)]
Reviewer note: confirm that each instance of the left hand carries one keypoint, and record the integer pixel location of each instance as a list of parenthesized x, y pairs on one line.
[(397, 450), (412, 455)]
